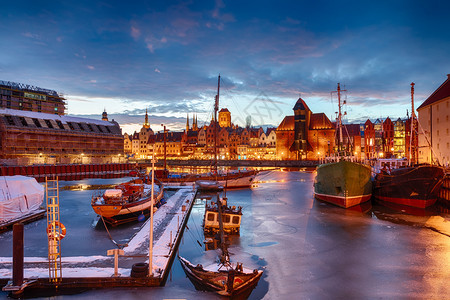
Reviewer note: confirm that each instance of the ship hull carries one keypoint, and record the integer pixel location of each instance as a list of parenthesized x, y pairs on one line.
[(416, 186), (216, 281), (231, 180), (343, 183)]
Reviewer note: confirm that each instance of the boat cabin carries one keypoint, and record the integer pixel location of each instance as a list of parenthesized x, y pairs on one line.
[(231, 219)]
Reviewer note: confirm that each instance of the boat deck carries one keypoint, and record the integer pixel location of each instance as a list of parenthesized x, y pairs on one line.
[(98, 271)]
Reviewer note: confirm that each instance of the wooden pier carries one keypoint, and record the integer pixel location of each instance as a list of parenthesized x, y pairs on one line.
[(27, 218), (81, 273)]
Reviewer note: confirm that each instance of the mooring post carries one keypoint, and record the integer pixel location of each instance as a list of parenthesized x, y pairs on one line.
[(18, 254), (116, 253)]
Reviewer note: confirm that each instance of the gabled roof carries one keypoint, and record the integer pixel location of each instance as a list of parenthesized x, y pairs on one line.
[(442, 92), (287, 123), (300, 104), (352, 129), (320, 121)]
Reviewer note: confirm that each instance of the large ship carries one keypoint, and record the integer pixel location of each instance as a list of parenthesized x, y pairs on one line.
[(415, 185), (343, 181)]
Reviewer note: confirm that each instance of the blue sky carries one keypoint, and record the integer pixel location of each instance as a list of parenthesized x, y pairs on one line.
[(165, 56)]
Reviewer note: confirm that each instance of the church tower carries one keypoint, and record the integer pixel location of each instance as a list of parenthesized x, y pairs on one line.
[(187, 123), (146, 123), (194, 124), (104, 115)]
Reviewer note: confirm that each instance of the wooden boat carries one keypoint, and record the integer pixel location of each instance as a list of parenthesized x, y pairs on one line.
[(126, 200), (415, 185), (343, 182), (224, 278), (231, 218), (208, 185)]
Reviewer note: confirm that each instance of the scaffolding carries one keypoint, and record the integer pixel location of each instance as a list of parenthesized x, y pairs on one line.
[(55, 229)]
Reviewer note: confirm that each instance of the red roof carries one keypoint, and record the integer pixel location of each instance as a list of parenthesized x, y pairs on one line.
[(442, 92), (320, 121), (287, 123)]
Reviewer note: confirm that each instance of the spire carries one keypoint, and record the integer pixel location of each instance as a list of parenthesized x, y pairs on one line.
[(195, 125), (146, 124), (104, 115), (187, 123)]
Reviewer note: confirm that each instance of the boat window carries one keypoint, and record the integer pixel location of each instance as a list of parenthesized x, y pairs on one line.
[(226, 219), (235, 219), (210, 217)]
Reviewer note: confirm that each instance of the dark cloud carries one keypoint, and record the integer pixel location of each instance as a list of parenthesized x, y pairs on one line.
[(166, 55)]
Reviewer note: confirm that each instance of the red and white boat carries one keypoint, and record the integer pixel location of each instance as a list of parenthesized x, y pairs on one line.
[(127, 200)]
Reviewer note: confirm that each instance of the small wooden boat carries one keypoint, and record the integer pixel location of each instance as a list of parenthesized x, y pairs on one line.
[(208, 185), (231, 218), (126, 200), (224, 278)]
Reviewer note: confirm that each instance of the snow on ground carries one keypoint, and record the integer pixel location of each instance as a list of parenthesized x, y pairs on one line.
[(163, 245), (167, 224)]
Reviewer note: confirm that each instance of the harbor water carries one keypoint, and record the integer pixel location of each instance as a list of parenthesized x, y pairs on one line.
[(308, 249)]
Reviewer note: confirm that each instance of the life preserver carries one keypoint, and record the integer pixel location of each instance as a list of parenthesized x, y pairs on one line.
[(51, 230)]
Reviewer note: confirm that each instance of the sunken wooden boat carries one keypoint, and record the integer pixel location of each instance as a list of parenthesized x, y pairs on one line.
[(225, 278), (231, 218), (231, 281), (127, 200), (416, 186)]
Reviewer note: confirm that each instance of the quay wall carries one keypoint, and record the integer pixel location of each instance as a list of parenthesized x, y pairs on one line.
[(236, 163), (69, 172)]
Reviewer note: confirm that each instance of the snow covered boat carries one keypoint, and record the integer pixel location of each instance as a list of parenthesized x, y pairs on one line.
[(126, 200), (208, 185), (20, 196), (230, 280), (225, 278)]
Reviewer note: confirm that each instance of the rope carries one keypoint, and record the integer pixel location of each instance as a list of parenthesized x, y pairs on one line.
[(120, 246)]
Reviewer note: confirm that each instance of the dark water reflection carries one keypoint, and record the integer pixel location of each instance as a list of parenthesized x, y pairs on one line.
[(307, 248)]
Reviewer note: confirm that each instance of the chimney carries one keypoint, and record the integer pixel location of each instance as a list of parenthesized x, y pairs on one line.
[(448, 76)]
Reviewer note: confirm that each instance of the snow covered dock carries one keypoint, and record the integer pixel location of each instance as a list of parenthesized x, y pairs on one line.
[(98, 271)]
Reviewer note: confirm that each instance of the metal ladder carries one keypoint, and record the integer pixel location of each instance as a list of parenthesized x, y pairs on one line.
[(53, 229)]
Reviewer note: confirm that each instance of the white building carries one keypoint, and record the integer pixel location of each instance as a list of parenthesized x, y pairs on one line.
[(434, 125)]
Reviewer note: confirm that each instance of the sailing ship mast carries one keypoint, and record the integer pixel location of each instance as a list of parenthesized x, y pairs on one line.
[(216, 108), (339, 119), (412, 137), (225, 256)]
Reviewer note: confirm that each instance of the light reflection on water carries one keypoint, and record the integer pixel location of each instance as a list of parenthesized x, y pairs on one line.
[(307, 248)]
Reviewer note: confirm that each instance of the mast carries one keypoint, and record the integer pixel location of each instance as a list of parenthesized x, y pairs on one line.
[(150, 246), (225, 257), (339, 118), (216, 108), (412, 137)]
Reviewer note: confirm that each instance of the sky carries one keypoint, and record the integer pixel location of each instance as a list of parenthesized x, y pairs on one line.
[(165, 57)]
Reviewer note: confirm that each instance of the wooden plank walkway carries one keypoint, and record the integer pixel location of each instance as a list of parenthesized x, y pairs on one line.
[(98, 271)]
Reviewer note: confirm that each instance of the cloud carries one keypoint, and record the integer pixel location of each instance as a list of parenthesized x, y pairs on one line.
[(135, 32), (91, 67), (157, 70)]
